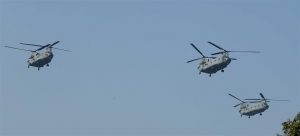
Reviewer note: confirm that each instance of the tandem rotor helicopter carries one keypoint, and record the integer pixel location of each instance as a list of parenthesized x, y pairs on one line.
[(211, 65), (248, 109), (39, 59)]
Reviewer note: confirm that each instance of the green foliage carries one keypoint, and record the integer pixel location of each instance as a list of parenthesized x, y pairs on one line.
[(292, 127)]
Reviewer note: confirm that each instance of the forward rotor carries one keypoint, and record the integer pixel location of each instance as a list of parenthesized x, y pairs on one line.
[(237, 99), (203, 56), (45, 46)]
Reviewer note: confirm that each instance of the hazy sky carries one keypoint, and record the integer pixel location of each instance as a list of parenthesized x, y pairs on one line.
[(127, 73)]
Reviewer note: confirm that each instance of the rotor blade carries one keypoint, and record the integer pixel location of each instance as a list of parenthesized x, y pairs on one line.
[(197, 49), (216, 46), (18, 48), (233, 58), (235, 97), (262, 96), (61, 49), (42, 47), (209, 57), (235, 51), (31, 44), (193, 60), (54, 43), (245, 51), (276, 100), (197, 59), (253, 99), (237, 105), (218, 53)]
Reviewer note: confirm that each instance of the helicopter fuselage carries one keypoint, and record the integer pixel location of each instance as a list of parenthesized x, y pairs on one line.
[(213, 65), (258, 108), (40, 59)]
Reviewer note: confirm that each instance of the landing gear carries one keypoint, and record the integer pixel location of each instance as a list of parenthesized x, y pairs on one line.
[(28, 66), (241, 115), (38, 68), (209, 75), (47, 65), (260, 114), (249, 117), (222, 70)]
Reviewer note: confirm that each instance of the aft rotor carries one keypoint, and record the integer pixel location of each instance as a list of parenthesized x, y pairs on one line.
[(227, 51), (263, 99)]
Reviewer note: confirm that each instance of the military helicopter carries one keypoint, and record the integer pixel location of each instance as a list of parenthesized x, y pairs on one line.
[(248, 109), (39, 59), (211, 65)]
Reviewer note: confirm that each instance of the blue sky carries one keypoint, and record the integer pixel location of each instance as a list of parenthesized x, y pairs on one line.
[(127, 73)]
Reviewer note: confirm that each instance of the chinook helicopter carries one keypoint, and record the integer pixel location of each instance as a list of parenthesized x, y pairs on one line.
[(211, 65), (259, 106), (39, 59)]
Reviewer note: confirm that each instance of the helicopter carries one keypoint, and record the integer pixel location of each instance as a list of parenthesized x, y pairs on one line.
[(37, 59), (248, 109), (211, 65)]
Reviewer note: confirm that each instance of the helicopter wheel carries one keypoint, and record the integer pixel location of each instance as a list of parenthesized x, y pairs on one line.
[(38, 68), (222, 70), (260, 114), (209, 75), (28, 66), (249, 117), (47, 65)]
